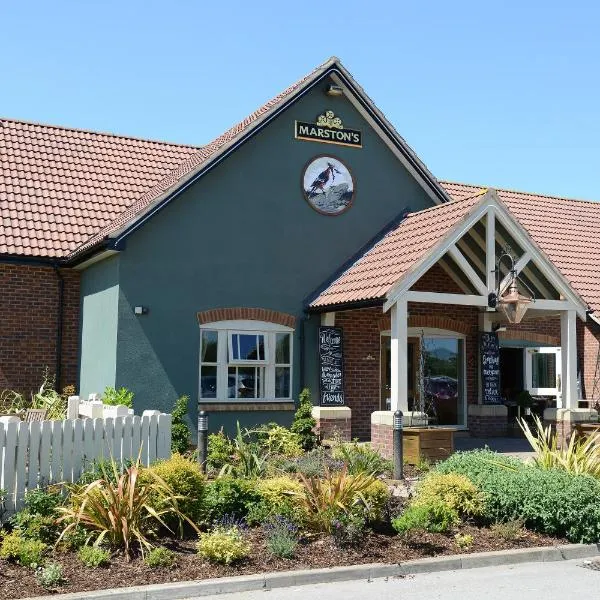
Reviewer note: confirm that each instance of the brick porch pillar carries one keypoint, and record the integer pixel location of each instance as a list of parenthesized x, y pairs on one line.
[(564, 420), (333, 422)]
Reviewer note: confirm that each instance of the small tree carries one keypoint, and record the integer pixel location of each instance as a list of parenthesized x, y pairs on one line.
[(304, 422), (180, 432)]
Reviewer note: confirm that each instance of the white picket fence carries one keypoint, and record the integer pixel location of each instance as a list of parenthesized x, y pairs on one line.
[(41, 453)]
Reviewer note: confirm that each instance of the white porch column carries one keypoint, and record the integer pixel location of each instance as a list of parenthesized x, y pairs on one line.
[(399, 355), (568, 344)]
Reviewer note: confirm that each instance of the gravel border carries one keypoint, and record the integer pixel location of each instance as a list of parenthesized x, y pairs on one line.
[(266, 581)]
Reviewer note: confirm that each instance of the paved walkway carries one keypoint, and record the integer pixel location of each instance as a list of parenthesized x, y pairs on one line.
[(530, 581), (513, 446)]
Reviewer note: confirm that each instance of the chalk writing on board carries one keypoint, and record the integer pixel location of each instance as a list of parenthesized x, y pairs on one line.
[(331, 367), (489, 350)]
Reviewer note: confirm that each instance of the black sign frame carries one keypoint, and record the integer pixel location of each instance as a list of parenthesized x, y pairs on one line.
[(331, 366), (489, 361)]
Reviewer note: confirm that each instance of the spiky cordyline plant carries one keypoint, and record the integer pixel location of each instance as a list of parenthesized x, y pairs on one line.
[(120, 509), (580, 455)]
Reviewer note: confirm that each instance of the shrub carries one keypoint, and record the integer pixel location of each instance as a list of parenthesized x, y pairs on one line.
[(27, 552), (553, 502), (282, 536), (311, 464), (348, 530), (304, 423), (249, 458), (160, 557), (50, 576), (509, 531), (120, 397), (335, 494), (361, 458), (228, 496), (223, 545), (220, 450), (375, 497), (38, 519), (435, 517), (455, 490), (121, 513), (94, 557), (279, 440), (463, 541), (278, 496), (186, 482), (578, 456), (180, 431)]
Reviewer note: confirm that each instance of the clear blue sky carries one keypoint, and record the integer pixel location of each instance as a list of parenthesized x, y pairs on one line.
[(499, 93)]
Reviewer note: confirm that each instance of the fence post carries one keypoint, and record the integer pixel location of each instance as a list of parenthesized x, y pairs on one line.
[(73, 407), (398, 458), (202, 439)]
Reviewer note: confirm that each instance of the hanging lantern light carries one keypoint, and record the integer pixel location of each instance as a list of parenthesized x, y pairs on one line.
[(513, 304)]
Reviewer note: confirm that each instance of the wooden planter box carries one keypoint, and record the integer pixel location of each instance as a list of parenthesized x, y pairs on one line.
[(432, 444)]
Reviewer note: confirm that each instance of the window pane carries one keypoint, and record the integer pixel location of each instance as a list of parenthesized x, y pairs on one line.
[(231, 382), (208, 382), (248, 382), (252, 346), (282, 348), (544, 370), (440, 367), (235, 351), (282, 382), (209, 346)]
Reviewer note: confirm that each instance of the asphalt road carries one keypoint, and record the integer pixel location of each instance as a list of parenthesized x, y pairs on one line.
[(531, 581)]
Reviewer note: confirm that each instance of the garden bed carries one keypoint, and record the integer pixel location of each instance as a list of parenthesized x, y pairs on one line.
[(312, 553)]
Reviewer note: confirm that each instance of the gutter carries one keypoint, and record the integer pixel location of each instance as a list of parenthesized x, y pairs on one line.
[(59, 324)]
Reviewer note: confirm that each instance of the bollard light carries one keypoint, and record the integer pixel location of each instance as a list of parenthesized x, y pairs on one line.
[(397, 426), (202, 439)]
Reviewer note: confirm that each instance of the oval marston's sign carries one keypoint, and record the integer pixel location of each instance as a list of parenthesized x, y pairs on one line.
[(329, 130)]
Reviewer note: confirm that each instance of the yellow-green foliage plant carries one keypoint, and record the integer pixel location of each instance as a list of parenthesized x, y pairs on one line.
[(579, 456), (186, 481), (336, 493), (457, 491), (27, 552), (376, 496), (120, 509), (282, 441), (223, 545)]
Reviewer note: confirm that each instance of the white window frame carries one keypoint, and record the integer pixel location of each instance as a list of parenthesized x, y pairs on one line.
[(243, 362), (224, 330)]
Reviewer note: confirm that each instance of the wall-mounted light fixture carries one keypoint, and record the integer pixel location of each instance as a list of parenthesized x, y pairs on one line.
[(511, 303), (140, 310), (334, 90)]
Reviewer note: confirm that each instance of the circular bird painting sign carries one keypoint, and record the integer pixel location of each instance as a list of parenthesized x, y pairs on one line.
[(328, 185)]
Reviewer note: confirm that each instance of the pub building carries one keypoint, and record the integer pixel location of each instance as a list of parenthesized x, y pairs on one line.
[(306, 247)]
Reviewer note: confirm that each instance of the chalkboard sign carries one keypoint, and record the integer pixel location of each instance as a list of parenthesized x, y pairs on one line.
[(331, 367), (489, 350)]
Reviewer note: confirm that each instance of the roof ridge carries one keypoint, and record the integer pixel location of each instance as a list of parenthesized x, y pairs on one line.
[(520, 192), (445, 204), (98, 133)]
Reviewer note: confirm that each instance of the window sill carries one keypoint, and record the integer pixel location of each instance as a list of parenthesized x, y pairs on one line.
[(231, 406)]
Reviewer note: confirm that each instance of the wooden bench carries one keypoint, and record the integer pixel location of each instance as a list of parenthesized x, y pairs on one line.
[(585, 430)]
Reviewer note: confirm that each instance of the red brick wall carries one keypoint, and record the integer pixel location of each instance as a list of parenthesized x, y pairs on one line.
[(28, 323)]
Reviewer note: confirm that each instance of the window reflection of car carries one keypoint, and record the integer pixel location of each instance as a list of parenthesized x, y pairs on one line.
[(441, 388), (245, 387)]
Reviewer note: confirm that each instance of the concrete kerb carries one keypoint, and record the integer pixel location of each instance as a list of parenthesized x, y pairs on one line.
[(267, 581)]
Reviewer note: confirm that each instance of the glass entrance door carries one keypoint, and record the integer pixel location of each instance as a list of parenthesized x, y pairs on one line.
[(543, 371)]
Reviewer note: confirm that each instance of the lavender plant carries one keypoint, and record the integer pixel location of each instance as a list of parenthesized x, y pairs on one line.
[(282, 536)]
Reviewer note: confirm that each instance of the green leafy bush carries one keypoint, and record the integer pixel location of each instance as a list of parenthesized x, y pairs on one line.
[(37, 520), (228, 496), (27, 552), (348, 530), (454, 489), (250, 457), (223, 545), (120, 397), (435, 517), (51, 576), (186, 481), (180, 431), (361, 458), (282, 536), (94, 557), (160, 558), (304, 423), (549, 501), (463, 541), (220, 450), (310, 464), (277, 496), (278, 440), (374, 499)]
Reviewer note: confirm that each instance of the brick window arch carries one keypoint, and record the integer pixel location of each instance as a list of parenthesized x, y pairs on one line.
[(246, 314)]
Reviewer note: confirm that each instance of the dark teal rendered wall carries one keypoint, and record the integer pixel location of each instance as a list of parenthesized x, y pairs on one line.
[(243, 235), (99, 324)]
